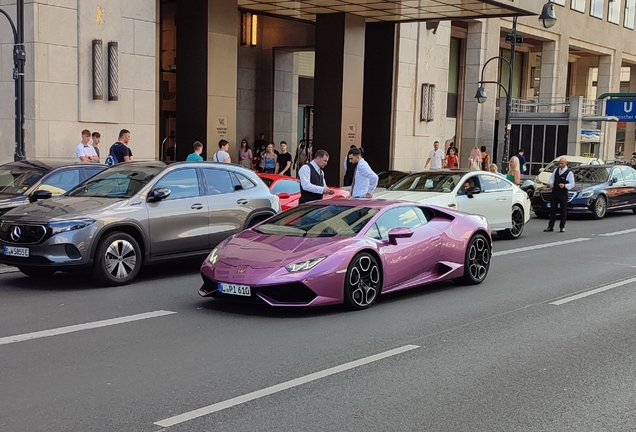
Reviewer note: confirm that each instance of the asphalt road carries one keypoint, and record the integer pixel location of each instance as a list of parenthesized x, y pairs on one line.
[(516, 353)]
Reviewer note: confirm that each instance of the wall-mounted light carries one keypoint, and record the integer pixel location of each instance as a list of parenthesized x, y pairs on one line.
[(98, 70), (113, 71), (249, 29)]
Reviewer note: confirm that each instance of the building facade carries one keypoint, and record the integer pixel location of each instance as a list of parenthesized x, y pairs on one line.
[(390, 77)]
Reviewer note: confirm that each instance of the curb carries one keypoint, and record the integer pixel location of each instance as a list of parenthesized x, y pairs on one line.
[(7, 269)]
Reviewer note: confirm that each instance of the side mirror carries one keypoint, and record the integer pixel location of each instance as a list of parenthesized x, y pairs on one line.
[(40, 195), (613, 180), (284, 195), (541, 169), (472, 191), (397, 233), (158, 194)]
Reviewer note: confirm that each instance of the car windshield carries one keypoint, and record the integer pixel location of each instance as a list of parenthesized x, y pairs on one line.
[(590, 174), (17, 179), (428, 182), (318, 221), (555, 164), (121, 181), (389, 178)]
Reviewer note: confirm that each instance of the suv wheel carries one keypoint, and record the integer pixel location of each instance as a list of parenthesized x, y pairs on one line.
[(117, 260)]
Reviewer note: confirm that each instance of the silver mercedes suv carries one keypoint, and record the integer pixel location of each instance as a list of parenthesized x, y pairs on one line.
[(134, 213)]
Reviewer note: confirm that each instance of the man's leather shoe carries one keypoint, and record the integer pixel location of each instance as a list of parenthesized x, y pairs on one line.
[(549, 229), (562, 230)]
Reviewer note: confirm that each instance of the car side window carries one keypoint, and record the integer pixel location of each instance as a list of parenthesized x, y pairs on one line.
[(472, 182), (617, 174), (490, 183), (183, 183), (90, 172), (629, 174), (218, 181), (286, 186), (241, 181), (60, 182), (401, 217)]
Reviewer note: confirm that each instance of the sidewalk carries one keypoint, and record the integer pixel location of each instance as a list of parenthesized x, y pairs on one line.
[(7, 269)]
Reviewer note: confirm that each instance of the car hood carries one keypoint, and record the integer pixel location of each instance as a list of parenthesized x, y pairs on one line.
[(577, 187), (427, 197), (250, 248), (62, 208), (12, 200)]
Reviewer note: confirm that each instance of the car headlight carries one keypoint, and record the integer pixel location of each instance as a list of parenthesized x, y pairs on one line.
[(305, 265), (214, 256), (71, 225), (586, 194)]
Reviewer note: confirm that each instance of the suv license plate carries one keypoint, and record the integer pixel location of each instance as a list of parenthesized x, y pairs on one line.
[(16, 251), (241, 290)]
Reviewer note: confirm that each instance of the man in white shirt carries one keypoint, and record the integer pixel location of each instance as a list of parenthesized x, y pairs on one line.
[(435, 157), (364, 179), (561, 181), (312, 179), (222, 155), (84, 151)]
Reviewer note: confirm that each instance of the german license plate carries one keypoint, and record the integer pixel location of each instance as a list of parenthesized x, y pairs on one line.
[(241, 290), (16, 251), (547, 205)]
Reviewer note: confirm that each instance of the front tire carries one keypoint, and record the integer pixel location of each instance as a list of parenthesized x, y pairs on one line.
[(363, 282), (117, 260), (518, 223), (37, 272), (600, 207), (476, 261)]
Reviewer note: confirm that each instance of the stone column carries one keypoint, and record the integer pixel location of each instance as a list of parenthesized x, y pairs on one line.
[(478, 120), (338, 88), (554, 70), (285, 97), (630, 127), (609, 71)]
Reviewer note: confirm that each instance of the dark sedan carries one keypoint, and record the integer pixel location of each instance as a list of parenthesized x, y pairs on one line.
[(29, 180), (598, 189)]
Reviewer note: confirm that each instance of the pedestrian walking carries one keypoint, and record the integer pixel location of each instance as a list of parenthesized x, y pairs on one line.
[(84, 151), (119, 152), (485, 159), (222, 155), (514, 175), (451, 160), (284, 160), (364, 179), (245, 155), (522, 161), (349, 168), (435, 157), (270, 160), (96, 137), (561, 181), (312, 179), (195, 156), (474, 159)]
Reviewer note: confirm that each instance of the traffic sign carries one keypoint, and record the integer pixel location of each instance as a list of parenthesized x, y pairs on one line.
[(624, 109)]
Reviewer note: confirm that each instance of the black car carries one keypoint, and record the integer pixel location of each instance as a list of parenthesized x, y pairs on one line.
[(29, 180), (598, 189)]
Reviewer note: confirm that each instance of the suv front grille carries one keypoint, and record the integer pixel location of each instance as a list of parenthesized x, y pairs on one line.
[(17, 233)]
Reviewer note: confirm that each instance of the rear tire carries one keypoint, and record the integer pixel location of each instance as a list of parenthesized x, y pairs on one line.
[(476, 261), (518, 222), (37, 272), (363, 282), (117, 260)]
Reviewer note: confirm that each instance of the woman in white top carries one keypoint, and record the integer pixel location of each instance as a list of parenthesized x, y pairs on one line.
[(474, 159), (222, 155)]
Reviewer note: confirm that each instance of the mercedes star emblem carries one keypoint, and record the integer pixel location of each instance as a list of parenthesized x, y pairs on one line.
[(16, 232)]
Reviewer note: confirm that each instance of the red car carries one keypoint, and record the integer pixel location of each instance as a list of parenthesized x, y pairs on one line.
[(288, 189)]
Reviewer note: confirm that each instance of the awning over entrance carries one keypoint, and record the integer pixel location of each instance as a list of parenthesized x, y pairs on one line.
[(395, 11)]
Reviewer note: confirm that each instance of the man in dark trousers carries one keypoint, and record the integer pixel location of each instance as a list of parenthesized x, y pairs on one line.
[(349, 169), (312, 179), (561, 181)]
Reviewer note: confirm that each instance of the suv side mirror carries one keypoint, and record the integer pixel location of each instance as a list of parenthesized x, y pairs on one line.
[(472, 191), (397, 233), (283, 195), (40, 195), (158, 194)]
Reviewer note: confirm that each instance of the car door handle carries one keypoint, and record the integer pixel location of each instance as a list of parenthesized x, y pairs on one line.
[(196, 206), (502, 199), (452, 205), (242, 201)]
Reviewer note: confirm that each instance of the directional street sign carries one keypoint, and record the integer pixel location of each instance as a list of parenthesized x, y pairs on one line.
[(624, 109)]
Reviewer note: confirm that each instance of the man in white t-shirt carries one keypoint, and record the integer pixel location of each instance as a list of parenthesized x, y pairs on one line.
[(84, 151), (435, 157), (222, 155)]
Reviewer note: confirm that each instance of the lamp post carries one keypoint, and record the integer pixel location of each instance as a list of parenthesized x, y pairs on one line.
[(19, 58), (547, 19)]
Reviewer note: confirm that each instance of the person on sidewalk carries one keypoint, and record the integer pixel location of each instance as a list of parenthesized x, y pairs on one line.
[(245, 155), (96, 136), (435, 157), (561, 181), (364, 179), (119, 152), (312, 179), (349, 168), (222, 155), (284, 160), (84, 151), (195, 156)]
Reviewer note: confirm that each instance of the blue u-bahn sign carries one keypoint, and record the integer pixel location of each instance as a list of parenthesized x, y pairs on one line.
[(624, 109)]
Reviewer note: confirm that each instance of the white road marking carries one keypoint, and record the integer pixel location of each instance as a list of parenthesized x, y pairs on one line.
[(615, 233), (594, 291), (181, 418), (78, 327), (541, 246)]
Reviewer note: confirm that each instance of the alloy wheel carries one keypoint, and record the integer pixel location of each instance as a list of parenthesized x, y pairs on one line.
[(479, 259), (120, 259), (517, 222), (364, 281), (600, 207)]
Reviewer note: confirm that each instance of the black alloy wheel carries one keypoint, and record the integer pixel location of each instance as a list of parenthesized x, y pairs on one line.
[(476, 261), (363, 282), (518, 223)]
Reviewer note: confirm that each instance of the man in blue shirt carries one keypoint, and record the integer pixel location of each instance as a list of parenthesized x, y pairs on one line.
[(364, 179), (522, 161), (196, 155), (119, 151)]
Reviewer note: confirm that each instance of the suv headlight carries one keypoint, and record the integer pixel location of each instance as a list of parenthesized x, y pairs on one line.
[(586, 194), (214, 256), (305, 265), (71, 225)]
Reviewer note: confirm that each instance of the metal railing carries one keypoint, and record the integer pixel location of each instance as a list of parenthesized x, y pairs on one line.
[(553, 105)]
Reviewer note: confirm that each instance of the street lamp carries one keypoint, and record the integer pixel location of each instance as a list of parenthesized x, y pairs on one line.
[(547, 19), (19, 58)]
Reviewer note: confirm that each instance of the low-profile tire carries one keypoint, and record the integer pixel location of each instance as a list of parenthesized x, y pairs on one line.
[(476, 261), (363, 282), (117, 260), (37, 272), (518, 222), (542, 215), (600, 207)]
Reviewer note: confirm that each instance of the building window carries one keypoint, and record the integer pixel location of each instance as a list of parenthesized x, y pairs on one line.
[(578, 5), (504, 73), (614, 11), (559, 2), (630, 7), (596, 8), (453, 78)]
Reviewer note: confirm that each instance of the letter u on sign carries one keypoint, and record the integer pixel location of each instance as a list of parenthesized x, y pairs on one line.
[(627, 107)]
